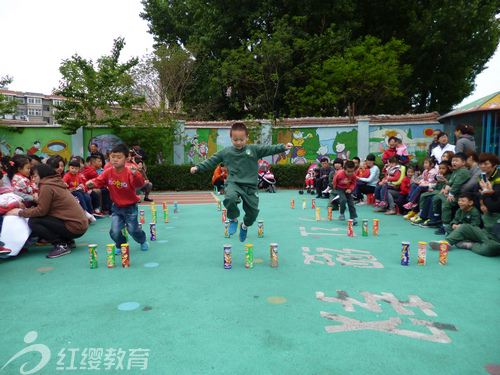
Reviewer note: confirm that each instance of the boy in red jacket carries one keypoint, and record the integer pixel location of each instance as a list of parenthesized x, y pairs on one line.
[(122, 182), (344, 182)]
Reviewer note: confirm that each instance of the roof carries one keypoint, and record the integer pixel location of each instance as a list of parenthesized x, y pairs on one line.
[(488, 103), (326, 121)]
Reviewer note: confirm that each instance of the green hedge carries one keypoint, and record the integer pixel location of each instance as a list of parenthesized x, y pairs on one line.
[(178, 177)]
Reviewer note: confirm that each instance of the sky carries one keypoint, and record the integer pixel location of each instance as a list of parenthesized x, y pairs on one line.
[(38, 35)]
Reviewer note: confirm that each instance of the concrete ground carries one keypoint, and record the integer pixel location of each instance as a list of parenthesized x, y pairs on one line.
[(334, 305)]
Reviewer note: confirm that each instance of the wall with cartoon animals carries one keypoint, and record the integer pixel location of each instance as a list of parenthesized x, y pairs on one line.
[(416, 138), (312, 144)]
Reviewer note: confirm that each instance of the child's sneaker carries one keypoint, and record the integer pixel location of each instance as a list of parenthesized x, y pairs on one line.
[(89, 216), (341, 217), (354, 222), (440, 231), (464, 245), (118, 250), (418, 220), (4, 250), (144, 246), (243, 233), (362, 203), (233, 226), (407, 206), (409, 215), (435, 245), (98, 214), (382, 204)]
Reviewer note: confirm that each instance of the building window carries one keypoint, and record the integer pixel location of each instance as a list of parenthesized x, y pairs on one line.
[(35, 100), (7, 98), (56, 101), (47, 120), (20, 112), (34, 112), (23, 100)]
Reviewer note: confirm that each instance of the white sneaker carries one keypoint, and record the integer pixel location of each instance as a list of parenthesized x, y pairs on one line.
[(327, 190), (90, 217), (335, 198), (362, 203)]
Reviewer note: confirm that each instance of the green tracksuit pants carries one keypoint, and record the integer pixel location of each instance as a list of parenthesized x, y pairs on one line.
[(442, 206), (484, 244), (249, 195)]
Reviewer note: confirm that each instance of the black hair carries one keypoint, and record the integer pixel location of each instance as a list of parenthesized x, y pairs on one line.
[(460, 155), (91, 158), (5, 162), (356, 158), (431, 161), (79, 158), (441, 135), (17, 162), (43, 170), (74, 163), (53, 161), (413, 167), (120, 148), (370, 157), (349, 164), (34, 157), (393, 159), (472, 154), (222, 165), (238, 126), (135, 143), (88, 159), (469, 195), (324, 159), (339, 161)]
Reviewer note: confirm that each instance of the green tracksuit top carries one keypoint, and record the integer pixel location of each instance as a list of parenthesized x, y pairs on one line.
[(457, 179), (472, 217), (242, 165)]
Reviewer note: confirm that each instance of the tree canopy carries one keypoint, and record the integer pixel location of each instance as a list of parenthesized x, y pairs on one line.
[(315, 57), (100, 94)]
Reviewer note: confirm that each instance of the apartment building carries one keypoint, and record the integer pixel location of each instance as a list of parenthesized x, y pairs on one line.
[(32, 106)]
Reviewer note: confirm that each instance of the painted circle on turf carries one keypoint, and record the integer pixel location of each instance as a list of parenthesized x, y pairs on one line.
[(43, 269), (257, 260), (150, 265), (127, 306), (276, 300)]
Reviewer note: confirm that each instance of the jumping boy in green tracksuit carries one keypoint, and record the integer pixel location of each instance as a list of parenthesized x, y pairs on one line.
[(241, 161)]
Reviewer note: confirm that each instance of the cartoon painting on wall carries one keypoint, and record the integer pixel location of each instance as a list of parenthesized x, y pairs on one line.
[(105, 143), (416, 139), (16, 144), (312, 144), (200, 145)]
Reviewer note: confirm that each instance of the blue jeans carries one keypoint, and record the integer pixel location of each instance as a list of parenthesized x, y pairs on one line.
[(85, 201), (125, 216), (415, 192)]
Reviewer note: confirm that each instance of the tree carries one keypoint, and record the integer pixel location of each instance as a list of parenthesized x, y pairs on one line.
[(96, 95), (7, 106), (367, 74), (448, 44)]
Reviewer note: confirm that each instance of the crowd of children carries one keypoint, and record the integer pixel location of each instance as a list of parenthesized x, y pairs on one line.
[(32, 192), (456, 193)]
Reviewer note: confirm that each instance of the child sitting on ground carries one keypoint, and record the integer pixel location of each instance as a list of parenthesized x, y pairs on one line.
[(241, 160), (343, 183), (393, 175), (122, 182), (425, 202), (484, 241), (466, 214), (423, 184), (19, 169)]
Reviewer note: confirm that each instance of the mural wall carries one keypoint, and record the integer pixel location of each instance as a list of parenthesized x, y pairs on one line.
[(42, 142), (416, 138), (309, 144)]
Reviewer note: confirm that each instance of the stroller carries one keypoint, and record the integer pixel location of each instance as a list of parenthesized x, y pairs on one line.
[(313, 168), (266, 177)]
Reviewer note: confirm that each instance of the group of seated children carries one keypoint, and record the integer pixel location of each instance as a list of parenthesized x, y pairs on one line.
[(18, 189), (446, 195)]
